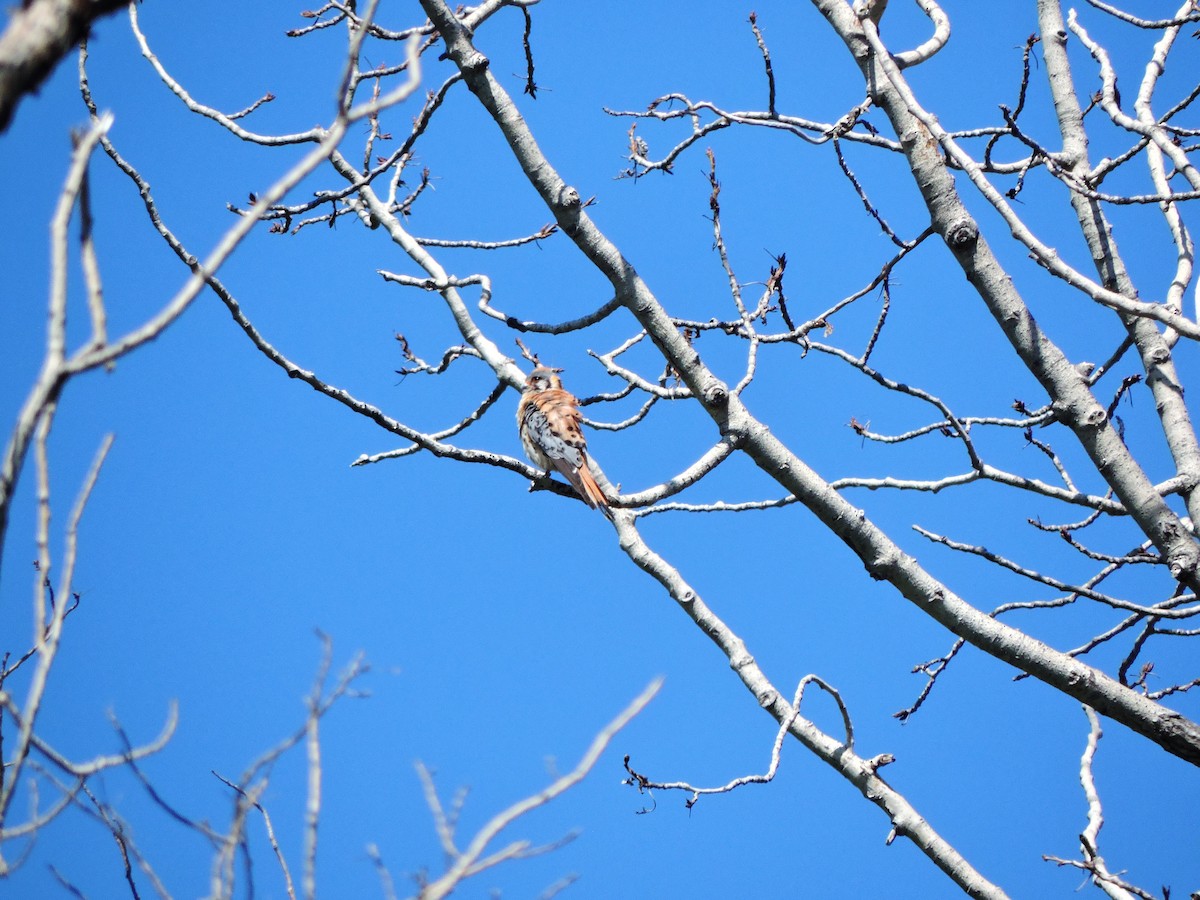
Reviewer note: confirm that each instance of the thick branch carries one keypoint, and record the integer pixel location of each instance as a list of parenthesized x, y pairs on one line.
[(38, 35), (1161, 375)]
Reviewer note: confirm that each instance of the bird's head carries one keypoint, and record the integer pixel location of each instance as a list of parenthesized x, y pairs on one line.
[(543, 378)]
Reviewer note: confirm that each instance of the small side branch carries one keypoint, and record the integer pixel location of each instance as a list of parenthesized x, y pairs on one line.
[(645, 785), (1092, 861), (766, 55)]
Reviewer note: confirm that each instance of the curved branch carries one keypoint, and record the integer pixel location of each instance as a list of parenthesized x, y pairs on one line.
[(935, 42)]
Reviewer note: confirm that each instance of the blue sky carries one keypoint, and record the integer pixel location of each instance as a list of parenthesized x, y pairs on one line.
[(505, 628)]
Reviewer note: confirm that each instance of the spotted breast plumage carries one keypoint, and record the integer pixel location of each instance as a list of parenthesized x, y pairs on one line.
[(548, 419)]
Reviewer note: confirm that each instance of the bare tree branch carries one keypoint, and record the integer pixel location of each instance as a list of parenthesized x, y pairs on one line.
[(472, 860), (38, 35)]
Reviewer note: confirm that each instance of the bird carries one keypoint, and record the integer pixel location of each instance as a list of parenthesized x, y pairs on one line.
[(548, 420)]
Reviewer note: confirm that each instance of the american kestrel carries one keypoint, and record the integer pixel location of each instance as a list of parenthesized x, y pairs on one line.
[(548, 420)]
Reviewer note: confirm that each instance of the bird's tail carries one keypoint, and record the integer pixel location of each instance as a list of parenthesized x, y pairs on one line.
[(590, 491)]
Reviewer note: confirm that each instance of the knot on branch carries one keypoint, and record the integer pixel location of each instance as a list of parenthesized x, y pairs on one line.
[(716, 394), (918, 133), (740, 660), (569, 197), (1077, 676), (870, 9), (962, 234), (1181, 567), (1181, 563), (474, 63), (875, 763)]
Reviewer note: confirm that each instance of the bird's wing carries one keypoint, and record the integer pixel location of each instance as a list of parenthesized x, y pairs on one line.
[(552, 422)]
